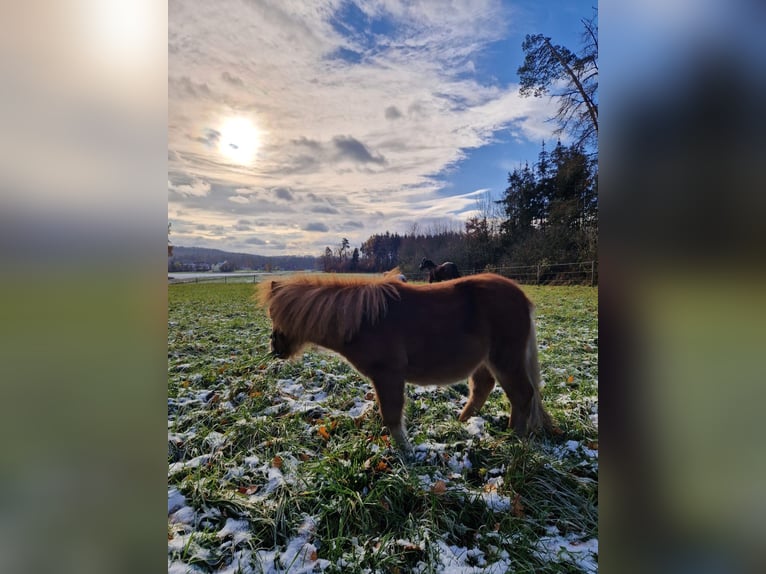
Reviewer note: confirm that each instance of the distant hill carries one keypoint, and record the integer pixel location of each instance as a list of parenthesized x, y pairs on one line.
[(204, 259)]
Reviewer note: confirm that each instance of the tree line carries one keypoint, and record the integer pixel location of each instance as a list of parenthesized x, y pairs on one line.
[(547, 214)]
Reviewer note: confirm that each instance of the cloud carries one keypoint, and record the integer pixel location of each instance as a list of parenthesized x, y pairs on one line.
[(233, 80), (317, 81), (352, 149), (184, 87), (283, 193), (255, 241), (187, 186), (323, 209), (393, 113)]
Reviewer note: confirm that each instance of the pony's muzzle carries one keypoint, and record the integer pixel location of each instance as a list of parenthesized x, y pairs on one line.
[(279, 345)]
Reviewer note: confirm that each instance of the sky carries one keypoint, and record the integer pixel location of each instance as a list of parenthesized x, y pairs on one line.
[(294, 124)]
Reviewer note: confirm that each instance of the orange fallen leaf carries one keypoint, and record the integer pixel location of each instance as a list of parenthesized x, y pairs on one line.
[(276, 462), (570, 379), (185, 384), (593, 445), (439, 487), (518, 507), (304, 457), (313, 556), (382, 466), (247, 490), (322, 430)]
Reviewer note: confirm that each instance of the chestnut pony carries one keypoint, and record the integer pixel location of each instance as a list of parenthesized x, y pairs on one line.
[(479, 326)]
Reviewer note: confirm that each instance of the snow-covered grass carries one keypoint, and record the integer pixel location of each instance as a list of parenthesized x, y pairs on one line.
[(285, 467)]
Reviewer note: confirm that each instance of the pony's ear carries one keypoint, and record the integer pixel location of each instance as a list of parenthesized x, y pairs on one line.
[(274, 286)]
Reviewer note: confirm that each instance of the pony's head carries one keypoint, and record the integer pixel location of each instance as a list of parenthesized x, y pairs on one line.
[(426, 264), (326, 311), (283, 346)]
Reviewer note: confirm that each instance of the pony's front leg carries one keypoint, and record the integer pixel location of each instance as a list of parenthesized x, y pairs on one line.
[(390, 393), (481, 384)]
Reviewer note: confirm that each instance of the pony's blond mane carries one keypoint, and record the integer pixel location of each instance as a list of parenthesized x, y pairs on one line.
[(327, 308)]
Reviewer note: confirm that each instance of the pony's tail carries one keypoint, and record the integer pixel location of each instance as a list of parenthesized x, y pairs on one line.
[(538, 416)]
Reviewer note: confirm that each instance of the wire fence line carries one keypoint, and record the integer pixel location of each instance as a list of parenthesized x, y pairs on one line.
[(574, 273)]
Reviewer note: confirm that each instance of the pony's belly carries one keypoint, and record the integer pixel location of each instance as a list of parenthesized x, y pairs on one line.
[(441, 374), (444, 361)]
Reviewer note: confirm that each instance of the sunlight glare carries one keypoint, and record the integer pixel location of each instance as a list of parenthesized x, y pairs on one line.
[(240, 140)]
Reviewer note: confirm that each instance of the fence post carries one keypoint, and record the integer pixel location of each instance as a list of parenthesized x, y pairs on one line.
[(592, 272), (538, 274)]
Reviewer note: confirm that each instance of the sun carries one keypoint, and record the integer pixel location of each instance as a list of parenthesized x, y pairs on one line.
[(239, 140)]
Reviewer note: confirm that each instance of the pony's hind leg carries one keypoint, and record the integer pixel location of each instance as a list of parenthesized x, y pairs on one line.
[(390, 395), (512, 373), (481, 384), (518, 387)]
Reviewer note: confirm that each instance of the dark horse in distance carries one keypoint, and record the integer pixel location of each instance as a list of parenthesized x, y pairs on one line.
[(443, 272)]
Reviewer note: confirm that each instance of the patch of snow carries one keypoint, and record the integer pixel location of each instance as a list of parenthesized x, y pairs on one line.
[(179, 542), (192, 463), (290, 387), (458, 464), (178, 567), (234, 472), (240, 564), (495, 501), (239, 530), (361, 407), (299, 557), (215, 440), (557, 548), (184, 515), (574, 447), (175, 500), (475, 426), (252, 461), (424, 389), (460, 560)]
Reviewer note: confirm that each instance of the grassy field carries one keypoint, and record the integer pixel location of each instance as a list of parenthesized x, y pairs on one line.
[(285, 466)]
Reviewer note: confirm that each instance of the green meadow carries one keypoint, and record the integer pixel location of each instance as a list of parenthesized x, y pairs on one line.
[(280, 466)]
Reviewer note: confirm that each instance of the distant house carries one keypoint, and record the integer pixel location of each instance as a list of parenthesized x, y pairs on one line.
[(224, 267)]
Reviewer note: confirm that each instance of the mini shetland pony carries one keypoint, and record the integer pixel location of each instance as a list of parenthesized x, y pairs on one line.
[(479, 326), (443, 272)]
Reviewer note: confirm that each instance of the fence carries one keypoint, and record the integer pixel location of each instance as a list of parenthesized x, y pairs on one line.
[(212, 277), (575, 273)]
